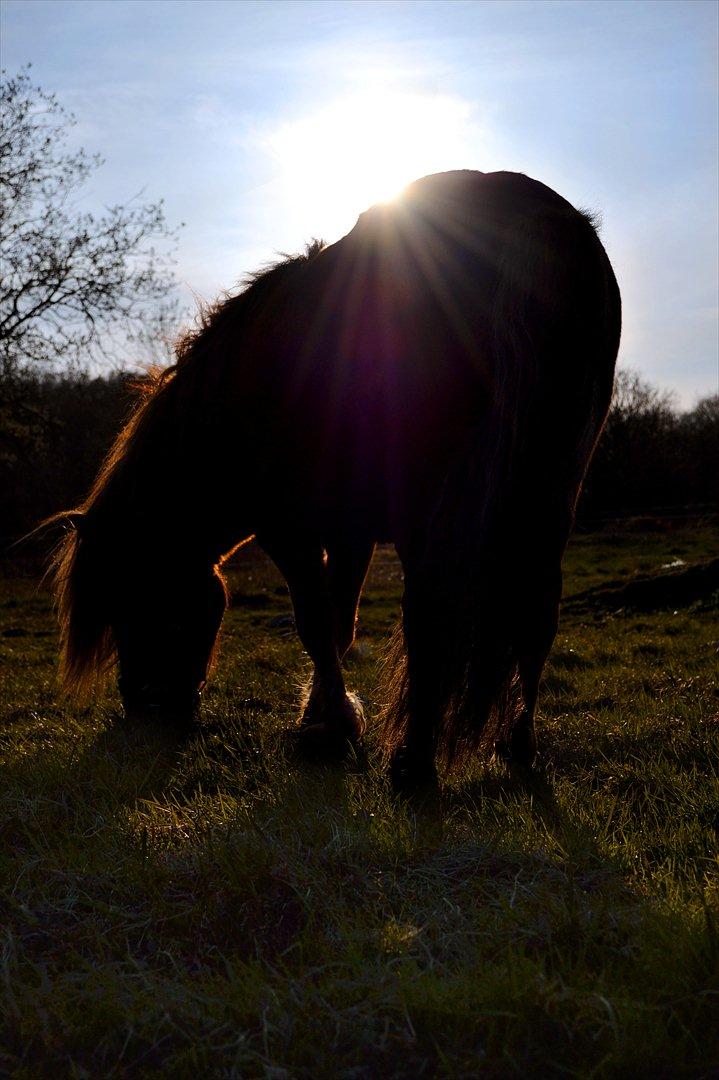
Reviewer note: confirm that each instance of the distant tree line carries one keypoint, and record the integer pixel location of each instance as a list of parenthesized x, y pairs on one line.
[(652, 459), (51, 449)]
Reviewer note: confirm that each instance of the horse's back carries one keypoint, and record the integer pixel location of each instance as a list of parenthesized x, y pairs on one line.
[(429, 286), (375, 361)]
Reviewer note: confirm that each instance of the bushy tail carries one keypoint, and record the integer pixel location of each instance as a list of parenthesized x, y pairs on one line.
[(508, 500)]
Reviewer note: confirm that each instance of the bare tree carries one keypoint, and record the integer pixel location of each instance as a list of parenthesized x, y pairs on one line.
[(634, 396), (74, 287)]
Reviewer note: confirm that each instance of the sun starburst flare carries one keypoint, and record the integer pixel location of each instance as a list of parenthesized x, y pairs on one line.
[(363, 149)]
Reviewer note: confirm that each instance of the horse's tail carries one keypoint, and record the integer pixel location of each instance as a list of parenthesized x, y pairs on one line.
[(508, 500)]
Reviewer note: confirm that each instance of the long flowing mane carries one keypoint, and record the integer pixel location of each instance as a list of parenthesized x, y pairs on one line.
[(214, 320), (79, 562)]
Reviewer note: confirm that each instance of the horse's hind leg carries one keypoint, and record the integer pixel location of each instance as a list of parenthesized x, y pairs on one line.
[(332, 719), (534, 642)]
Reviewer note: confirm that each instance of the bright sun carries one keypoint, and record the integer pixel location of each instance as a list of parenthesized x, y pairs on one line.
[(364, 149)]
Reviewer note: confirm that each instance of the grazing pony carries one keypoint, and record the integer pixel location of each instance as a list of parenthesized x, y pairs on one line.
[(436, 379)]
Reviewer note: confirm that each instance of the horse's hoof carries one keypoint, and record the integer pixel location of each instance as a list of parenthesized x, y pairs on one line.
[(411, 775), (519, 749), (337, 737)]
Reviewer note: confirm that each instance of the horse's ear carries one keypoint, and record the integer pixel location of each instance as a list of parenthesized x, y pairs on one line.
[(66, 519), (74, 518), (69, 519)]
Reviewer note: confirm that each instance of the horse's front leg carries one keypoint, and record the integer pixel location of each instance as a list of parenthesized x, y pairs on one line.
[(332, 720), (347, 565)]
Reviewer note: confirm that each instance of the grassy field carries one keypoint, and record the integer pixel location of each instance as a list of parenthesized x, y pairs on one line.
[(218, 908)]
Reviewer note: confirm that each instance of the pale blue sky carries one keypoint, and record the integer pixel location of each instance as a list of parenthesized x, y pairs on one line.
[(265, 123)]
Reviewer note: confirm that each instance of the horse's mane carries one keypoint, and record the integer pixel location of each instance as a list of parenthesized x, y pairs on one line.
[(79, 563), (230, 309)]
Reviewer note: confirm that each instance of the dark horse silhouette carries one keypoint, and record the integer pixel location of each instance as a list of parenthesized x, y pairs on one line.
[(436, 379)]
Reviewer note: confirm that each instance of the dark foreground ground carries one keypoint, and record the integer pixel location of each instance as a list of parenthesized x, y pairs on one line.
[(217, 908)]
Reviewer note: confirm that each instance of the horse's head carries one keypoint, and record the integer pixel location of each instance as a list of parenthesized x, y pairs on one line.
[(154, 611), (164, 626)]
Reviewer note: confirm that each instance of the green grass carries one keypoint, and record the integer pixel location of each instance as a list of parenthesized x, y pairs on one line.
[(218, 908)]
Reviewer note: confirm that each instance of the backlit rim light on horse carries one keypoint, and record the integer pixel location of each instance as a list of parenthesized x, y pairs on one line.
[(364, 149)]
